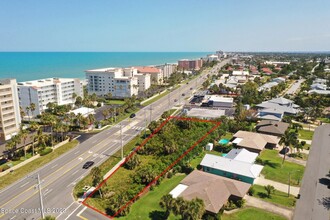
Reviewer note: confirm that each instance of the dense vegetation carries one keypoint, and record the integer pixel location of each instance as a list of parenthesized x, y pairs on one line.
[(151, 160)]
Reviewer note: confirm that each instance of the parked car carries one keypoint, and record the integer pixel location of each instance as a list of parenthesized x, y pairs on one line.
[(284, 150), (88, 164), (183, 94), (132, 115), (3, 161), (175, 100)]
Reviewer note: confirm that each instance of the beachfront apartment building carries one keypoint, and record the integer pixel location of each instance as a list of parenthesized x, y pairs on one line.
[(43, 91), (120, 82), (168, 69), (186, 64), (10, 118), (156, 74)]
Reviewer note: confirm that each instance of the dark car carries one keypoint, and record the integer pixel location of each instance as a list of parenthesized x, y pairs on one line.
[(88, 164), (3, 161), (183, 94), (187, 83), (132, 115), (284, 150), (191, 88), (175, 100)]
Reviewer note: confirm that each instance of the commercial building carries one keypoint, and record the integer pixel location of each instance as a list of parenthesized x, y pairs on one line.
[(214, 190), (186, 64), (43, 91), (10, 118), (218, 101), (203, 113)]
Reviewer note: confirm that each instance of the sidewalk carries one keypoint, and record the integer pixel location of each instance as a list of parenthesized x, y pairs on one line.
[(258, 203), (294, 160), (279, 186)]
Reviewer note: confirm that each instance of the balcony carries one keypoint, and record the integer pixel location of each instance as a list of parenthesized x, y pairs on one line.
[(6, 105)]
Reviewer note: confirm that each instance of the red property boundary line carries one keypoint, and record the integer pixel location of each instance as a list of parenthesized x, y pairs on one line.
[(217, 124)]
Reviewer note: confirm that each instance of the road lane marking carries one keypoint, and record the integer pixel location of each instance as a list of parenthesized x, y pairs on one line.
[(54, 166), (77, 152), (24, 184), (73, 212), (79, 214), (75, 172), (66, 209), (48, 191)]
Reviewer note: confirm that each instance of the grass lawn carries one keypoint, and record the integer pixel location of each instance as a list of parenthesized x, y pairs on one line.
[(148, 206), (278, 197), (252, 213), (171, 111), (307, 146), (114, 102), (35, 164), (155, 98), (106, 166), (305, 134), (228, 136), (274, 170)]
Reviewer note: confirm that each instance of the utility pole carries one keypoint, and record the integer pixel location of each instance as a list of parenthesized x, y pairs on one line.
[(41, 201), (121, 138), (289, 184)]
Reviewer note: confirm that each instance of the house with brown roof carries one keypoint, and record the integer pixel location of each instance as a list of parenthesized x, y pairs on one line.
[(276, 128), (254, 142), (212, 189)]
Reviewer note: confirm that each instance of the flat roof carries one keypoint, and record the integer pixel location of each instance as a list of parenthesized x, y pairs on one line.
[(206, 113), (45, 82)]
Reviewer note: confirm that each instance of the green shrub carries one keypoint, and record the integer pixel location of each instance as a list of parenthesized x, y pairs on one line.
[(251, 191), (4, 167), (46, 151), (259, 161), (240, 203)]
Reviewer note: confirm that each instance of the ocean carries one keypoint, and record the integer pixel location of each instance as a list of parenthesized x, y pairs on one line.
[(25, 66)]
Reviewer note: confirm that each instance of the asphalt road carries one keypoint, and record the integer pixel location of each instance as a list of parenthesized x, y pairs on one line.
[(295, 86), (314, 202), (21, 200)]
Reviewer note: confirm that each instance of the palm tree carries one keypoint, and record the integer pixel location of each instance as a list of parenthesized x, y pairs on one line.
[(27, 108), (166, 203), (22, 113), (105, 113), (41, 138), (288, 139), (24, 135), (51, 121), (49, 217), (269, 189), (71, 117), (79, 118), (32, 108), (10, 145)]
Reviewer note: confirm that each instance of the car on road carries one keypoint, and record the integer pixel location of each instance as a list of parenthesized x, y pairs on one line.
[(175, 100), (191, 88), (88, 164), (183, 94), (187, 83), (132, 115)]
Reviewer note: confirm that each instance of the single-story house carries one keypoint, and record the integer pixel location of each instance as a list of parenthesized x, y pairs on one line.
[(242, 155), (254, 142), (212, 189), (234, 169), (271, 127), (219, 101)]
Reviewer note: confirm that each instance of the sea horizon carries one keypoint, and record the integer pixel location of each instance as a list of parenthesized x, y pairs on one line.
[(26, 66)]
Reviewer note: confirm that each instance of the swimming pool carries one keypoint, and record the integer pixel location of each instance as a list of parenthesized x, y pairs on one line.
[(224, 141)]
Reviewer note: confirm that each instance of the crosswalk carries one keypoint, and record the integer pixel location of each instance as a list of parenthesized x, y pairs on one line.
[(137, 128)]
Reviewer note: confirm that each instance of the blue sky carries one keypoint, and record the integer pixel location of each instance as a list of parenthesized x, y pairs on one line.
[(164, 25)]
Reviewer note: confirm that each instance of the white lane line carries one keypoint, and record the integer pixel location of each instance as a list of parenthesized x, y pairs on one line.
[(13, 217), (79, 213), (48, 191), (24, 184), (54, 166), (73, 212), (77, 152), (66, 209), (75, 172), (94, 141)]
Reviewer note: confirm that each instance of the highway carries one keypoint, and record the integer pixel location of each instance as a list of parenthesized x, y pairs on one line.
[(21, 199)]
